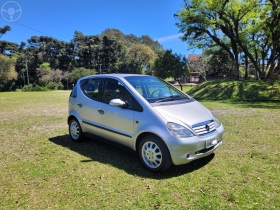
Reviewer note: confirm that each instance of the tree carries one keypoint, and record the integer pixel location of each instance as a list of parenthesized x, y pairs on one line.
[(113, 32), (27, 63), (219, 62), (7, 73), (66, 57), (139, 56), (51, 50), (46, 76), (235, 26), (146, 40), (103, 53), (111, 53), (171, 65), (154, 45), (77, 74), (8, 48), (4, 30), (45, 65), (43, 50), (272, 26), (84, 48), (131, 39)]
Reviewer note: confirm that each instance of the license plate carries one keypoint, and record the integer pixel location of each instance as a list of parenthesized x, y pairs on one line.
[(211, 142)]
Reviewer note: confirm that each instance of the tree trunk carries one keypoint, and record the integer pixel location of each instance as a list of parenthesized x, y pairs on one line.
[(177, 80), (246, 68), (236, 62)]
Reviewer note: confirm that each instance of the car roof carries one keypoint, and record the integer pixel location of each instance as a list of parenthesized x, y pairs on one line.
[(115, 75)]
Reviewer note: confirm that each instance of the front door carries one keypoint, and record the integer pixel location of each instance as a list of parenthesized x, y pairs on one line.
[(115, 123)]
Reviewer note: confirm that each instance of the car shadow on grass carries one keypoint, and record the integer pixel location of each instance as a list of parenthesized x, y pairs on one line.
[(94, 150)]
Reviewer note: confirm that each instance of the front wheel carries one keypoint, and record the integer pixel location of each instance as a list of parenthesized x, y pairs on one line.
[(75, 130), (154, 154)]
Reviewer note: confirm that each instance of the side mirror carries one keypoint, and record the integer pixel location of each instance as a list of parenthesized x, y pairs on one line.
[(118, 102)]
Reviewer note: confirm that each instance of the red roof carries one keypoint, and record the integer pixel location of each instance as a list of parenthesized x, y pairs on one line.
[(194, 57)]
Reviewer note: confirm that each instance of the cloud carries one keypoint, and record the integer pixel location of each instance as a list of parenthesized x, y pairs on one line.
[(168, 38)]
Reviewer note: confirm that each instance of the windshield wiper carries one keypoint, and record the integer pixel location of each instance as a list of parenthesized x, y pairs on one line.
[(170, 98)]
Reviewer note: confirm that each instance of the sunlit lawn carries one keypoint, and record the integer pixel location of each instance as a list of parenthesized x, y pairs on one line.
[(42, 169)]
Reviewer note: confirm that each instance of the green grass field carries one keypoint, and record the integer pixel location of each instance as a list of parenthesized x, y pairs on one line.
[(42, 169), (236, 91)]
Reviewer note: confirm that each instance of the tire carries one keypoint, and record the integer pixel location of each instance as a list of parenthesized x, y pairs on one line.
[(75, 130), (154, 154)]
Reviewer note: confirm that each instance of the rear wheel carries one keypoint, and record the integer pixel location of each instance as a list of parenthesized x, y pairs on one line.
[(154, 154), (75, 130)]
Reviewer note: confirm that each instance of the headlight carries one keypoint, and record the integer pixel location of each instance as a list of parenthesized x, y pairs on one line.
[(179, 131), (217, 122)]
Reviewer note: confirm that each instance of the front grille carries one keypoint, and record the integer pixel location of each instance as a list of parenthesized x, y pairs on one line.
[(204, 128)]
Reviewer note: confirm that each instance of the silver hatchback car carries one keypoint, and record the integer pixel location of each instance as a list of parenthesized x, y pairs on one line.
[(145, 114)]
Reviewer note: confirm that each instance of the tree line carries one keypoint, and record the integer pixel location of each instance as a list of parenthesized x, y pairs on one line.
[(46, 61)]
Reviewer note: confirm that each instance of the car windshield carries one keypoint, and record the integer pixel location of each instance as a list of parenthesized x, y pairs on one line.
[(155, 90)]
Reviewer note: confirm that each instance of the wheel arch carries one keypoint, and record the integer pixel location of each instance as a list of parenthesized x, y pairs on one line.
[(73, 116), (144, 134), (70, 117)]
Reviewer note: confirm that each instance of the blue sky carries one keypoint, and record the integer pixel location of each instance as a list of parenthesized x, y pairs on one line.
[(60, 18)]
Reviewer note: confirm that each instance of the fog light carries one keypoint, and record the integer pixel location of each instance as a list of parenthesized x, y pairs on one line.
[(214, 142)]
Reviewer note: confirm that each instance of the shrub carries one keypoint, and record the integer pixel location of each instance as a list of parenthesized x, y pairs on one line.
[(27, 88), (39, 88), (55, 86), (30, 87)]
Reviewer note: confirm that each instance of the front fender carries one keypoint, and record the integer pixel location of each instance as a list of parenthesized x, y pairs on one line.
[(149, 123)]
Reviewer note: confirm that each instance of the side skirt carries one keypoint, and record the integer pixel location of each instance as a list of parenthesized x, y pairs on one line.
[(92, 136)]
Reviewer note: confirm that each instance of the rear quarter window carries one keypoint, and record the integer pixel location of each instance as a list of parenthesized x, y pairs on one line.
[(73, 93)]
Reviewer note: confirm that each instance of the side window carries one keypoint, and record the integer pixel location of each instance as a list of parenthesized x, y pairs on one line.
[(90, 87), (113, 89), (110, 90), (74, 92), (125, 95)]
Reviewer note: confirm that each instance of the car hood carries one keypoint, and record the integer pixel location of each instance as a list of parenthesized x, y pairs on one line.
[(187, 113)]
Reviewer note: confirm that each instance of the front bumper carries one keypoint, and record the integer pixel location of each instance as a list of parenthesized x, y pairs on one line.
[(185, 150)]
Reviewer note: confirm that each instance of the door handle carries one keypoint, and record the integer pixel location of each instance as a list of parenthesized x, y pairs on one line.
[(101, 111), (80, 105)]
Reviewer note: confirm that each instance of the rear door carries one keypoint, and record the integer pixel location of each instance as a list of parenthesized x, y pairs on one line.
[(87, 103)]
